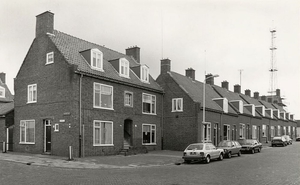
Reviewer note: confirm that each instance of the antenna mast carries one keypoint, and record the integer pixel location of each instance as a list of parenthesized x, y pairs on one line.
[(273, 70), (241, 70)]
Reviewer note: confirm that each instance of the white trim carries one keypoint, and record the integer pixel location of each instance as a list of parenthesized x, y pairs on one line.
[(155, 137), (146, 94), (23, 124), (112, 133), (131, 100), (97, 52), (30, 99), (145, 69), (7, 138), (175, 103), (48, 57), (2, 90), (112, 96), (47, 123), (56, 127), (125, 66)]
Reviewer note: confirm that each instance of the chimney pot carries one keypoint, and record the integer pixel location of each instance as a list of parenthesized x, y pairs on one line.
[(278, 92), (165, 66), (256, 95), (237, 88), (44, 23), (2, 77), (210, 80), (134, 52), (190, 72), (248, 92), (225, 84), (263, 98)]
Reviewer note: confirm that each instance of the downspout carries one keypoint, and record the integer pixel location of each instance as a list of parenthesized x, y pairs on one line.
[(81, 137), (162, 122), (221, 127)]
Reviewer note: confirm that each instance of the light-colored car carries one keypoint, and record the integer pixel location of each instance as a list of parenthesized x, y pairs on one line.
[(202, 152), (279, 140), (288, 139)]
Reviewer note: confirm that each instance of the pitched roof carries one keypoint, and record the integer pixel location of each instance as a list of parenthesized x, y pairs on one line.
[(70, 47), (6, 108), (8, 96), (195, 90)]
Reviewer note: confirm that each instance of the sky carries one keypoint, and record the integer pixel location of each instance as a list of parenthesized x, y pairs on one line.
[(230, 38)]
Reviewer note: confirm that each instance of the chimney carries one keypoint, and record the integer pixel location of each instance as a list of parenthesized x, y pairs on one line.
[(256, 95), (248, 92), (190, 72), (263, 98), (209, 79), (225, 85), (134, 52), (2, 77), (165, 66), (278, 92), (270, 100), (237, 88), (44, 23)]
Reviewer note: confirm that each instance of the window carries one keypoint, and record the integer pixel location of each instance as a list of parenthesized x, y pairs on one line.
[(103, 96), (149, 134), (2, 92), (50, 58), (144, 74), (56, 127), (264, 131), (207, 132), (284, 130), (272, 131), (103, 133), (278, 130), (97, 59), (226, 132), (254, 130), (128, 99), (242, 131), (149, 104), (177, 105), (124, 67), (27, 131), (289, 130), (32, 93)]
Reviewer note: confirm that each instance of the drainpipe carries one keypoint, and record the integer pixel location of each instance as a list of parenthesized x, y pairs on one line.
[(81, 136), (162, 122)]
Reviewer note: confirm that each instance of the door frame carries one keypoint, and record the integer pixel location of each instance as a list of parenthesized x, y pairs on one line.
[(46, 123)]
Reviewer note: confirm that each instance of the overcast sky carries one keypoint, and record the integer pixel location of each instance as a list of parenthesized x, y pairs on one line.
[(234, 34)]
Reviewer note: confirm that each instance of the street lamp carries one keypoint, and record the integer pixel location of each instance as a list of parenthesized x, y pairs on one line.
[(204, 85)]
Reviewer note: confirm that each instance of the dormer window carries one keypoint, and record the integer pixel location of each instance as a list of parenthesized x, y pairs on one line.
[(145, 74), (96, 59), (2, 92), (223, 103), (50, 58), (124, 68)]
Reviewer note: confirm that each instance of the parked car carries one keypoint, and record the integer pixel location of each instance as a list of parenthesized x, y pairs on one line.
[(298, 139), (250, 145), (202, 152), (279, 140), (288, 139), (230, 148)]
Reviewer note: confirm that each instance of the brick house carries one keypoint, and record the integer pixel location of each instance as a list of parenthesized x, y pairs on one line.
[(6, 113), (183, 110), (71, 92)]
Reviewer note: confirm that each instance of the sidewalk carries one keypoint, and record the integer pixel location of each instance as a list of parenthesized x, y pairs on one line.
[(153, 158)]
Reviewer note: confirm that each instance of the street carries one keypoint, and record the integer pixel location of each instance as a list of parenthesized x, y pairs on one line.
[(274, 166)]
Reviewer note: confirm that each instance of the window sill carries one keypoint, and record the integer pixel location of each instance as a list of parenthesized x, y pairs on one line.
[(149, 144), (31, 102), (22, 143), (150, 113), (97, 69), (177, 111), (49, 63), (103, 108), (104, 145)]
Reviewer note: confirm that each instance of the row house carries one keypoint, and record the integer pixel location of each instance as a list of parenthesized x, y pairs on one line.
[(71, 92), (6, 113), (225, 114)]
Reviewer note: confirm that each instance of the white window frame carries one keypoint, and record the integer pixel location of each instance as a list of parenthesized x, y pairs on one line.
[(227, 132), (32, 93), (207, 132), (95, 93), (50, 58), (264, 130), (99, 127), (24, 124), (145, 74), (153, 112), (151, 129), (254, 131), (128, 101), (124, 67), (56, 127), (278, 130), (177, 104), (242, 131), (98, 55), (2, 92), (272, 131)]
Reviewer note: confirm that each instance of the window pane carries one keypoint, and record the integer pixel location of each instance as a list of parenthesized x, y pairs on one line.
[(97, 135), (146, 133), (106, 101), (106, 133), (22, 132), (30, 131)]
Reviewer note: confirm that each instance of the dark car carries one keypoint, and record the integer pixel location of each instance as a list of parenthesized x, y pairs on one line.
[(279, 140), (288, 139), (298, 139), (230, 148), (250, 145)]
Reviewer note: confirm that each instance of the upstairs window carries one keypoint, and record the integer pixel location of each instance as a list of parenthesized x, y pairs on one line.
[(32, 93), (124, 68), (2, 92), (144, 74), (96, 59), (103, 96), (128, 99), (177, 105), (50, 58), (149, 104)]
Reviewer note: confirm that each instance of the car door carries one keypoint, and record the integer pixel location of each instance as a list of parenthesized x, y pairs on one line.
[(233, 148), (214, 151)]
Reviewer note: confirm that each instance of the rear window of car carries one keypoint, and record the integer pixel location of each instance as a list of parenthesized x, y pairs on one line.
[(246, 142), (195, 147), (224, 143)]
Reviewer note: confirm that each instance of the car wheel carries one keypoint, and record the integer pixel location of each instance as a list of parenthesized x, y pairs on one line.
[(252, 151), (258, 150), (273, 145), (187, 161), (239, 154), (207, 159), (221, 157)]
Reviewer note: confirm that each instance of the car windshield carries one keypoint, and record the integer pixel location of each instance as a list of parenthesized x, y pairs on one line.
[(224, 143), (246, 142), (195, 147)]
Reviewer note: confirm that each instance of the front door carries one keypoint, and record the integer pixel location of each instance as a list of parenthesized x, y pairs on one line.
[(47, 138), (215, 134)]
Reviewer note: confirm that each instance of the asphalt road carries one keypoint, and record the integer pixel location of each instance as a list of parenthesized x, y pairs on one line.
[(273, 166)]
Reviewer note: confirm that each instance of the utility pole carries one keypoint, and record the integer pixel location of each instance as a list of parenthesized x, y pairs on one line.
[(241, 70)]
